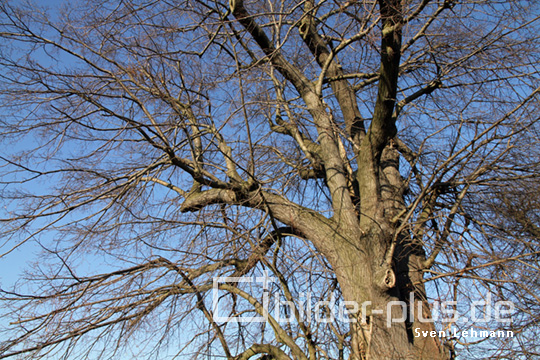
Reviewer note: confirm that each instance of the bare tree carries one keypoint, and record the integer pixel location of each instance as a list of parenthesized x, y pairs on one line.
[(357, 152)]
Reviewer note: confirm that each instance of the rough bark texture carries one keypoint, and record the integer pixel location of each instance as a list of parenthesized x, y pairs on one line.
[(225, 134), (358, 242)]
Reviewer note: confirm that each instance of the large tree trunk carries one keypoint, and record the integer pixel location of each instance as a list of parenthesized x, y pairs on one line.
[(381, 331), (371, 262), (368, 272)]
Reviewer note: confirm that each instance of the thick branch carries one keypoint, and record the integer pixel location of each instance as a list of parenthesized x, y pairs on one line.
[(342, 90), (292, 74), (303, 222), (335, 172), (383, 127)]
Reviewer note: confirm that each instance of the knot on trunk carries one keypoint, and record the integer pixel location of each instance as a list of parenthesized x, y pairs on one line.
[(389, 279)]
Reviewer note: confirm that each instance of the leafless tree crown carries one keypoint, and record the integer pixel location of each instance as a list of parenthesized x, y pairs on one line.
[(360, 151)]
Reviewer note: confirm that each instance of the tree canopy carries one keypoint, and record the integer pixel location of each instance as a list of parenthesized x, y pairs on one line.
[(357, 152)]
